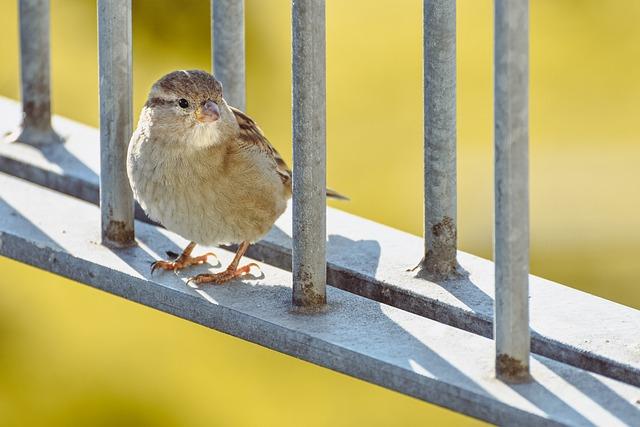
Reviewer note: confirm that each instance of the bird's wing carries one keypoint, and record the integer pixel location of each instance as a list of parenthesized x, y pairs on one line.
[(252, 137)]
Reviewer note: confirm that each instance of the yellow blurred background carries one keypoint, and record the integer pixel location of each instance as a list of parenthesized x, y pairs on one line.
[(70, 355)]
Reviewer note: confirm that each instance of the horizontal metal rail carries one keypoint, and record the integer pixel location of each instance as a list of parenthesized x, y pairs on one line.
[(356, 336), (370, 259)]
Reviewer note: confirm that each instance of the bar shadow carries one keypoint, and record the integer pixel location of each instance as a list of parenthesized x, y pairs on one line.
[(478, 301), (70, 164), (545, 400), (363, 254), (13, 219), (598, 392), (534, 392)]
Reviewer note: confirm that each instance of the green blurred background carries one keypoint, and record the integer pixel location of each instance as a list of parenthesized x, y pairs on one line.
[(71, 356)]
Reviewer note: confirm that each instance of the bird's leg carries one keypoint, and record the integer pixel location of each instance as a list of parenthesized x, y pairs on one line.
[(230, 273), (184, 260)]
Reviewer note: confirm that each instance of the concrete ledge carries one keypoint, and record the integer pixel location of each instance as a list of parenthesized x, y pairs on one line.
[(355, 335), (370, 259)]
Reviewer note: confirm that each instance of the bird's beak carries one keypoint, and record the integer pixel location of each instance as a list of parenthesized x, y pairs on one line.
[(208, 112)]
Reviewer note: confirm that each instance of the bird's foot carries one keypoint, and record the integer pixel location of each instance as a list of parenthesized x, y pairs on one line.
[(220, 278), (181, 262)]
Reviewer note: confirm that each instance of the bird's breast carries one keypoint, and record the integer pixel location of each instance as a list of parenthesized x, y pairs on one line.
[(210, 196)]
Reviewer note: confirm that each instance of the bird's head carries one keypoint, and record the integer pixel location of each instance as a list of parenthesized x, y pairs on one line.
[(186, 107)]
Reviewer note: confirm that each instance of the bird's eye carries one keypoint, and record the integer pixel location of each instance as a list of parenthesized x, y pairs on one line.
[(183, 103)]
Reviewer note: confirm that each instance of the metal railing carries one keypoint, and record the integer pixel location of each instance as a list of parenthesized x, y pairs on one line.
[(511, 133), (440, 235), (116, 121), (228, 55), (35, 75), (512, 337), (309, 154)]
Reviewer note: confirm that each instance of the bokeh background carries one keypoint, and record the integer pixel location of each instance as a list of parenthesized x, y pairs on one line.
[(70, 355)]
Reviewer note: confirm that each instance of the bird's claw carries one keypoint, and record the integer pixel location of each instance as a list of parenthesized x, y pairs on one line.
[(165, 265), (222, 277), (181, 262)]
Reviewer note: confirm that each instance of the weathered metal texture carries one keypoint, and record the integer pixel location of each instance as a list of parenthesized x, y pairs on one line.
[(354, 335), (370, 259), (309, 153), (440, 201), (512, 189), (228, 56), (116, 115), (35, 77)]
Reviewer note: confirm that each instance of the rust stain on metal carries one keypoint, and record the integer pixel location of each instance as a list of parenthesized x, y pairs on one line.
[(118, 234), (440, 261), (308, 300), (37, 114), (511, 370), (311, 297), (36, 104)]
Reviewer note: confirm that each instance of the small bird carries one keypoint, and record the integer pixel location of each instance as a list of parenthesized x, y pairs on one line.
[(205, 171)]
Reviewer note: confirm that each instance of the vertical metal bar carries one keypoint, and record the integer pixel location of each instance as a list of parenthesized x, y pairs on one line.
[(309, 154), (440, 234), (114, 52), (227, 34), (35, 75), (512, 189)]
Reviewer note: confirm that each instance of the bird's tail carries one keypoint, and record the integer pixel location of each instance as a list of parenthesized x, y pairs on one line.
[(335, 195)]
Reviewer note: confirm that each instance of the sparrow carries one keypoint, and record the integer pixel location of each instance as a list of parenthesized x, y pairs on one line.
[(206, 171)]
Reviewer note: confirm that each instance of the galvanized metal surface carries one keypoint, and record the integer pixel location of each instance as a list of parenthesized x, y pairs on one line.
[(512, 188), (440, 201), (116, 115), (309, 153), (35, 80), (354, 335), (228, 50), (371, 260)]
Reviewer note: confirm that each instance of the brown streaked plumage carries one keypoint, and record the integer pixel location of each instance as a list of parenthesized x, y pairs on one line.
[(205, 170), (252, 137)]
